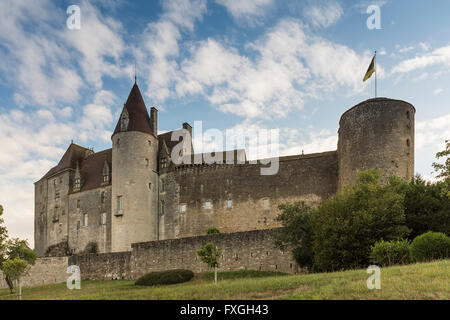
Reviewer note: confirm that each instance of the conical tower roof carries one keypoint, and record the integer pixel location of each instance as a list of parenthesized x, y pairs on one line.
[(139, 119)]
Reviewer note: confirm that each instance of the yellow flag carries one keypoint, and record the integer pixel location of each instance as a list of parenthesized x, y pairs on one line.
[(370, 70)]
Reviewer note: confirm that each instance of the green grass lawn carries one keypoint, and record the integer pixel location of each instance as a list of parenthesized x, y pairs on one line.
[(416, 281)]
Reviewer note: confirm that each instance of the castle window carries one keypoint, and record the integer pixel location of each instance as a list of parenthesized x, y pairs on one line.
[(85, 220), (119, 206), (266, 205), (78, 204), (183, 208), (407, 114), (163, 207), (164, 163), (208, 205), (54, 182), (118, 142), (105, 178), (149, 142), (147, 163), (124, 123), (78, 225), (229, 204), (408, 143), (55, 215), (57, 195), (103, 218), (77, 183), (150, 186), (103, 197)]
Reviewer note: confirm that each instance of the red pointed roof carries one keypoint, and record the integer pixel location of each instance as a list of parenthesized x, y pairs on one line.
[(139, 119)]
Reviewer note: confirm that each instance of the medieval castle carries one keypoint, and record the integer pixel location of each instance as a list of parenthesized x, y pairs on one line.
[(133, 192)]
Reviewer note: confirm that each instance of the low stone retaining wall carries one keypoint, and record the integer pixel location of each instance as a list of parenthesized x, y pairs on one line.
[(45, 271)]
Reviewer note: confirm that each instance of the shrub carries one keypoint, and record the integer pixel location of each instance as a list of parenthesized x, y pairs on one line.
[(388, 253), (212, 230), (347, 225), (430, 246), (295, 232), (165, 277), (427, 207)]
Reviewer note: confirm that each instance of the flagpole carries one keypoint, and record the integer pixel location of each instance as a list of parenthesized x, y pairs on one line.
[(375, 65)]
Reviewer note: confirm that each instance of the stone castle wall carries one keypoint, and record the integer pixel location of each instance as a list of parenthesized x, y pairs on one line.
[(45, 271), (252, 250), (94, 203), (377, 133), (103, 266), (254, 197)]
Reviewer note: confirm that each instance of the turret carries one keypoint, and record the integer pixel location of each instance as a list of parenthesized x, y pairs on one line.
[(134, 175), (377, 133)]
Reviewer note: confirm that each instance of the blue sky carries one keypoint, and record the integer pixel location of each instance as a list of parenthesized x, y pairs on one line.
[(295, 66)]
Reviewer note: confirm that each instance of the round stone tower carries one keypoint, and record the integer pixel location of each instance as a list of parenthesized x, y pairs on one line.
[(134, 175), (377, 133)]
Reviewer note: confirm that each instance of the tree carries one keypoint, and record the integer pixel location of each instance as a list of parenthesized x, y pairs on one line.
[(210, 254), (296, 231), (427, 207), (346, 226), (13, 270), (11, 251), (3, 236), (17, 253), (443, 169)]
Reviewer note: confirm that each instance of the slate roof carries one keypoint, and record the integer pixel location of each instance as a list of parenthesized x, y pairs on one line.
[(91, 169), (69, 160), (139, 119)]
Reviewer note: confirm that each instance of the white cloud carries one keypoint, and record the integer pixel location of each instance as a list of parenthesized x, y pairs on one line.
[(438, 91), (249, 11), (289, 64), (438, 56), (425, 46), (42, 57), (160, 45), (324, 14), (99, 43), (432, 132)]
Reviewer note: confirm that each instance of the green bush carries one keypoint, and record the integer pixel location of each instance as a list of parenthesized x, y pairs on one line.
[(165, 277), (388, 253), (427, 207), (348, 224), (430, 246), (212, 230)]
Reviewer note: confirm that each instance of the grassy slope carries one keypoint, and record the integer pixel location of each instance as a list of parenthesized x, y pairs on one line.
[(417, 281)]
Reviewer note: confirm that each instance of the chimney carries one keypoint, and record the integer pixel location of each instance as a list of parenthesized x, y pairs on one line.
[(188, 127), (154, 120)]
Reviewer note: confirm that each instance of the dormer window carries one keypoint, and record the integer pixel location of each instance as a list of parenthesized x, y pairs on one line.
[(164, 162), (77, 183), (124, 123), (105, 173)]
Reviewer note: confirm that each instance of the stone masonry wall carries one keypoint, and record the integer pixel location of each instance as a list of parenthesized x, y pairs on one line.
[(45, 271), (253, 250), (103, 266), (239, 197)]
